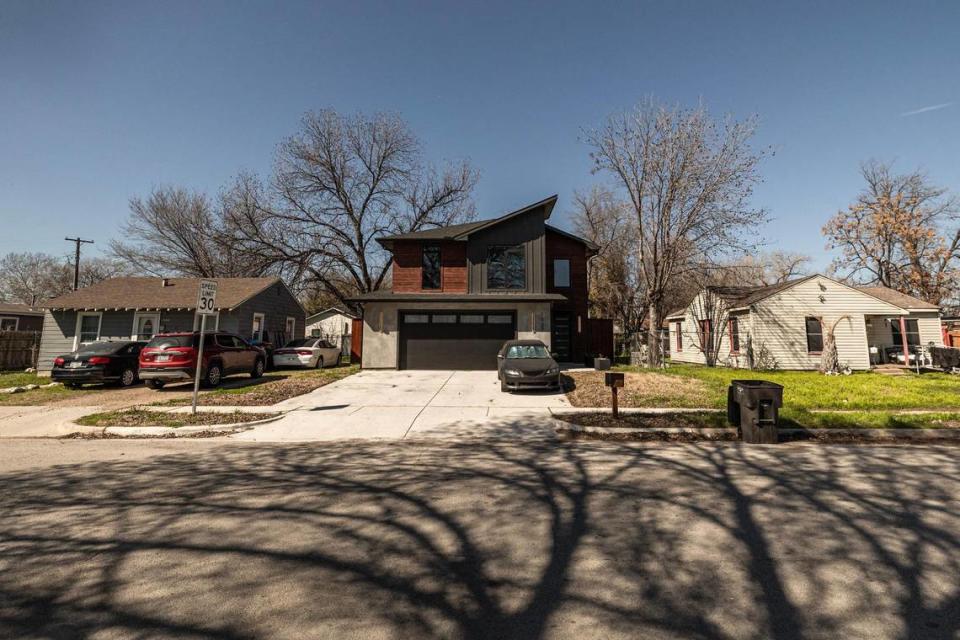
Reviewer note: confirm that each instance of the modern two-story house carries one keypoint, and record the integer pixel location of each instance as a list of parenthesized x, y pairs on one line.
[(460, 291)]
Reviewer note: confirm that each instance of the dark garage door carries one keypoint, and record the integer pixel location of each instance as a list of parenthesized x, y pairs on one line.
[(453, 339)]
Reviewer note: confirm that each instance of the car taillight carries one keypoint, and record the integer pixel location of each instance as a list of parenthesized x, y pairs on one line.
[(99, 360), (59, 362), (304, 352)]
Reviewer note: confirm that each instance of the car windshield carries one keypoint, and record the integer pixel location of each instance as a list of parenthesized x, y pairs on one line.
[(524, 351), (99, 348), (165, 342), (303, 342)]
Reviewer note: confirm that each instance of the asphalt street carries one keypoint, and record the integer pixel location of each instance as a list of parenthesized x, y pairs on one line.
[(479, 538)]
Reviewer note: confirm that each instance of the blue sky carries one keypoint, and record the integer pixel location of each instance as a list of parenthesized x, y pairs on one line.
[(101, 101)]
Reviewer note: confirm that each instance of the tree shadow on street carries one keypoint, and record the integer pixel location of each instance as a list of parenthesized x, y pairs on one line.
[(487, 539)]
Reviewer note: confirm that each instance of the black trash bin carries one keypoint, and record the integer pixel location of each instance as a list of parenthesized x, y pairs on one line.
[(754, 406)]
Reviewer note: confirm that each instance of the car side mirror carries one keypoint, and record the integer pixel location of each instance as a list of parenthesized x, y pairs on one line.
[(554, 355)]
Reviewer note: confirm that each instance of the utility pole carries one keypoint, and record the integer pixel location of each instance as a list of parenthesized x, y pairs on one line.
[(76, 260)]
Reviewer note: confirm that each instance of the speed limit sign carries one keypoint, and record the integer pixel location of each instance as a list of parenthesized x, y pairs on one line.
[(207, 300)]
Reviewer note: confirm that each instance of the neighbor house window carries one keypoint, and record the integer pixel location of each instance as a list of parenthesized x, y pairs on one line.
[(88, 328), (706, 335), (506, 268), (734, 331), (291, 328), (9, 324), (561, 273), (814, 335), (679, 337), (430, 272), (913, 332), (257, 334)]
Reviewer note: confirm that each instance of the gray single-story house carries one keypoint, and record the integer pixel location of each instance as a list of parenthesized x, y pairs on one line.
[(786, 324), (20, 317), (262, 310)]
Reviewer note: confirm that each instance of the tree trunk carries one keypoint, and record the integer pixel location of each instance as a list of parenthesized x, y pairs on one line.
[(654, 357)]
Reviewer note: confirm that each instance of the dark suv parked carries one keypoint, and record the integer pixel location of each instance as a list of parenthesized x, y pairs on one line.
[(172, 357), (98, 362)]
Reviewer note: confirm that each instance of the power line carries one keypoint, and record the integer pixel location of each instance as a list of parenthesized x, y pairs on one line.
[(76, 260)]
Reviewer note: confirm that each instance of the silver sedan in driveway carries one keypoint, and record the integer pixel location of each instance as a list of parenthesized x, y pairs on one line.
[(307, 353)]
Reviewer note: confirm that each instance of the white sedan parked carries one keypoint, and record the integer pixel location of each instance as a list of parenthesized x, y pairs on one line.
[(308, 353)]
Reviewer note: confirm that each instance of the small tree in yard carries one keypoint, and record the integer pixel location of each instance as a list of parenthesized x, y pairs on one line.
[(830, 358), (688, 181), (711, 313)]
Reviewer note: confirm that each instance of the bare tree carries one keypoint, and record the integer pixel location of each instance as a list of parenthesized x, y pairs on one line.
[(688, 181), (615, 290), (898, 234), (31, 278), (711, 314), (338, 184), (177, 231)]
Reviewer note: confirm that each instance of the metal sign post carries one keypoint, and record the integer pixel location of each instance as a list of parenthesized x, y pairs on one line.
[(206, 306)]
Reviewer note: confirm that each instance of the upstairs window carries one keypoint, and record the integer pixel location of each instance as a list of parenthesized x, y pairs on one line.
[(561, 273), (734, 330), (506, 268), (814, 335), (430, 272)]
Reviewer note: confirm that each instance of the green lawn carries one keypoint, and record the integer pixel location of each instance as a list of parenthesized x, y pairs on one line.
[(19, 379), (804, 390)]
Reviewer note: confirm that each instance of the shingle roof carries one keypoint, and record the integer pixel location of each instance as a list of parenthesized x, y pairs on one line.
[(18, 309), (150, 293), (897, 298)]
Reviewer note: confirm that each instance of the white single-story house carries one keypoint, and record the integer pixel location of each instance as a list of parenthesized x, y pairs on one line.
[(331, 324), (784, 325)]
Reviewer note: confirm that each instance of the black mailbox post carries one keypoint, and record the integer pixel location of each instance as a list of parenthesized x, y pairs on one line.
[(754, 406)]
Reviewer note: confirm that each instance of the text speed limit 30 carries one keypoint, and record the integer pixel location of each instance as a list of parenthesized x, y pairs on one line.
[(207, 300)]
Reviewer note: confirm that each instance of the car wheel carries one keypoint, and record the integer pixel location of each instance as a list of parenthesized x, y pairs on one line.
[(154, 384), (258, 368), (503, 386), (128, 377), (319, 364), (214, 376)]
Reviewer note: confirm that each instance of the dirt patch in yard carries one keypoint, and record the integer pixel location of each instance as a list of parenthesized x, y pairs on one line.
[(271, 389), (148, 418), (586, 389)]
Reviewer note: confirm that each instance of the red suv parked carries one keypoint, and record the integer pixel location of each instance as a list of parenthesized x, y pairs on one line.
[(172, 357)]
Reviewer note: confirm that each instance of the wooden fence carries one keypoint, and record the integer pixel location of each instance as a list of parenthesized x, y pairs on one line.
[(19, 349)]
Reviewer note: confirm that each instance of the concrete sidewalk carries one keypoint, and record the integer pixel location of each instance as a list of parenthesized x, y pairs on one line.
[(407, 404), (42, 421)]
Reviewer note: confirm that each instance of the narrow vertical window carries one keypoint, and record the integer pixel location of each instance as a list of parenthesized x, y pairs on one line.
[(734, 330), (430, 271), (561, 273), (679, 337), (814, 335), (706, 335)]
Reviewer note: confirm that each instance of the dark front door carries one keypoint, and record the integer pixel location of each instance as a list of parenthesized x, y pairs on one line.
[(560, 336), (453, 339)]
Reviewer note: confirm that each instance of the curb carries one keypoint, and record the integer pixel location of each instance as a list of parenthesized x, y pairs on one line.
[(235, 427), (652, 411), (872, 434)]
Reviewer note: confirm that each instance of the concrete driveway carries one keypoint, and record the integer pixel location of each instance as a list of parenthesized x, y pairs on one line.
[(407, 404)]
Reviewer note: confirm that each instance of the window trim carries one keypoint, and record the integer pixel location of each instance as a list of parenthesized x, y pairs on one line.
[(290, 322), (703, 334), (423, 252), (16, 322), (555, 284), (263, 325), (733, 320), (897, 337), (806, 331), (679, 327), (76, 333), (523, 249), (140, 314)]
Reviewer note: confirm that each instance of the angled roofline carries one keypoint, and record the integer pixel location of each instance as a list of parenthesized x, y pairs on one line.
[(342, 312), (269, 284), (472, 227), (592, 246), (549, 203)]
